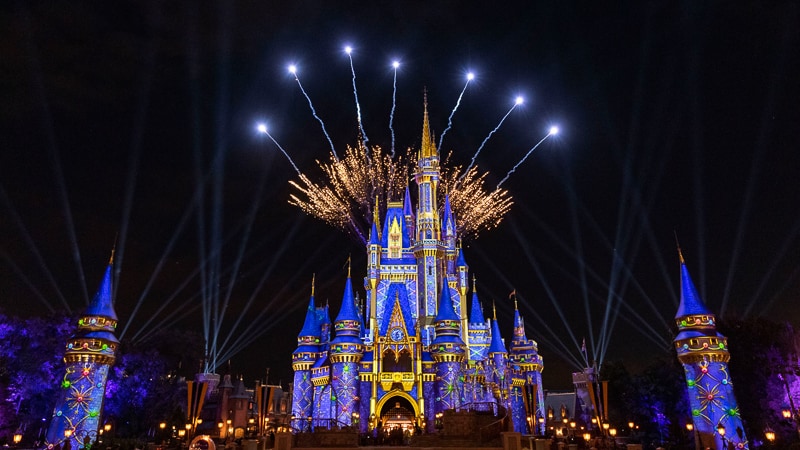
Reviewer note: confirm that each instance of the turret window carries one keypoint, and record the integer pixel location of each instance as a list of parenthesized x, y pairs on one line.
[(395, 239)]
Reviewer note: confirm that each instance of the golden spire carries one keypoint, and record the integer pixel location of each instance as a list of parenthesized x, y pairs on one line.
[(375, 219), (313, 276), (494, 311), (428, 147), (474, 288), (349, 263)]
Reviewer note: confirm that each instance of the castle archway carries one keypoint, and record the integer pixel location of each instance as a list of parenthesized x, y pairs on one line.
[(397, 411)]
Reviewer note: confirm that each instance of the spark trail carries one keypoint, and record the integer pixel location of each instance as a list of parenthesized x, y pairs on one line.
[(518, 101), (293, 71), (365, 139), (470, 77), (553, 131), (262, 128), (395, 65)]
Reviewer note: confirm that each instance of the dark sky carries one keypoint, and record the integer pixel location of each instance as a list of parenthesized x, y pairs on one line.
[(675, 118)]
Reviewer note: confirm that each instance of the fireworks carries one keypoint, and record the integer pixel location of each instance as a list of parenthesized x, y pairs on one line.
[(350, 186)]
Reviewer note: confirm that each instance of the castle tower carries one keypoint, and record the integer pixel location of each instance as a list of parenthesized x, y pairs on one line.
[(429, 249), (498, 364), (345, 353), (303, 358), (527, 365), (704, 354), (89, 354), (447, 350)]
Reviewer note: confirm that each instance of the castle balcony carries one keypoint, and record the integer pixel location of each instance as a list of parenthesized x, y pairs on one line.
[(406, 379)]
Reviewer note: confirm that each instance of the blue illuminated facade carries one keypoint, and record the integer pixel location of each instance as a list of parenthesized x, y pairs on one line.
[(415, 343)]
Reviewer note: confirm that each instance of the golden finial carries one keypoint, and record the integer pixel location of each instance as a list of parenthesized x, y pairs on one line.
[(349, 263), (494, 311), (113, 250), (680, 254), (313, 277), (375, 214), (474, 287)]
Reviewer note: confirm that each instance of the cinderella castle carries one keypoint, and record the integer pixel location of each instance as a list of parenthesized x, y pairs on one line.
[(418, 347)]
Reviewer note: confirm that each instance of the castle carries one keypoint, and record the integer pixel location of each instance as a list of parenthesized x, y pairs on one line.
[(415, 350)]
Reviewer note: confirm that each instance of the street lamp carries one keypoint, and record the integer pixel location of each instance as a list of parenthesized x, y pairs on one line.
[(786, 413), (721, 431), (769, 434), (17, 436)]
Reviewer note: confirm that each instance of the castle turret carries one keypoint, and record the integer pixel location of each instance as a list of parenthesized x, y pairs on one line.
[(478, 329), (703, 351), (448, 351), (527, 365), (89, 354), (346, 351), (498, 362), (308, 342)]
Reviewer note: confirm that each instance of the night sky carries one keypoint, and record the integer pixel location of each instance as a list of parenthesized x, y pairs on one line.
[(133, 122)]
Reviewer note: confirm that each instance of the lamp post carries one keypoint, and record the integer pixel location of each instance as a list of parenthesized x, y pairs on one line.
[(770, 435), (695, 437), (721, 431), (17, 437), (541, 426)]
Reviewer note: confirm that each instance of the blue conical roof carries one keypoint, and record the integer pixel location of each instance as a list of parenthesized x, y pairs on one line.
[(408, 210), (310, 326), (448, 223), (446, 311), (102, 304), (691, 304), (348, 310), (460, 261), (476, 312), (373, 235), (496, 346)]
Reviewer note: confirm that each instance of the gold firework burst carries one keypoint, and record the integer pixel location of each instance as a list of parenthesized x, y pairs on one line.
[(350, 187)]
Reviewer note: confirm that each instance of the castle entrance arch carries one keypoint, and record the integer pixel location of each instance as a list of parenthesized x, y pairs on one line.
[(397, 412)]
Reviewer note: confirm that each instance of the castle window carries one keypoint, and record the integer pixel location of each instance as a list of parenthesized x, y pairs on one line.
[(395, 239)]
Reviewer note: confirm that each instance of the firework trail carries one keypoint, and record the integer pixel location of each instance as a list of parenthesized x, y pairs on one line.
[(395, 64), (472, 163), (553, 131), (293, 71), (364, 137), (263, 130), (470, 77)]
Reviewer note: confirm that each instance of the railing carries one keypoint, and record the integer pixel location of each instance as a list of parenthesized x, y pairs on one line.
[(490, 407), (493, 429)]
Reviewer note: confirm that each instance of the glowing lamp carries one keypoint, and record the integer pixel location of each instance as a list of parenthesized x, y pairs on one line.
[(17, 437), (162, 425), (594, 420), (587, 437), (690, 427), (107, 427), (220, 425), (541, 419), (612, 432), (181, 433), (251, 420), (572, 424), (606, 426), (630, 425), (228, 421), (787, 413), (565, 420), (188, 426), (68, 433), (768, 433), (721, 429), (553, 130)]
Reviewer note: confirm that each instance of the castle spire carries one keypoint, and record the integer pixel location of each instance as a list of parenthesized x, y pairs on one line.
[(428, 147), (690, 304)]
